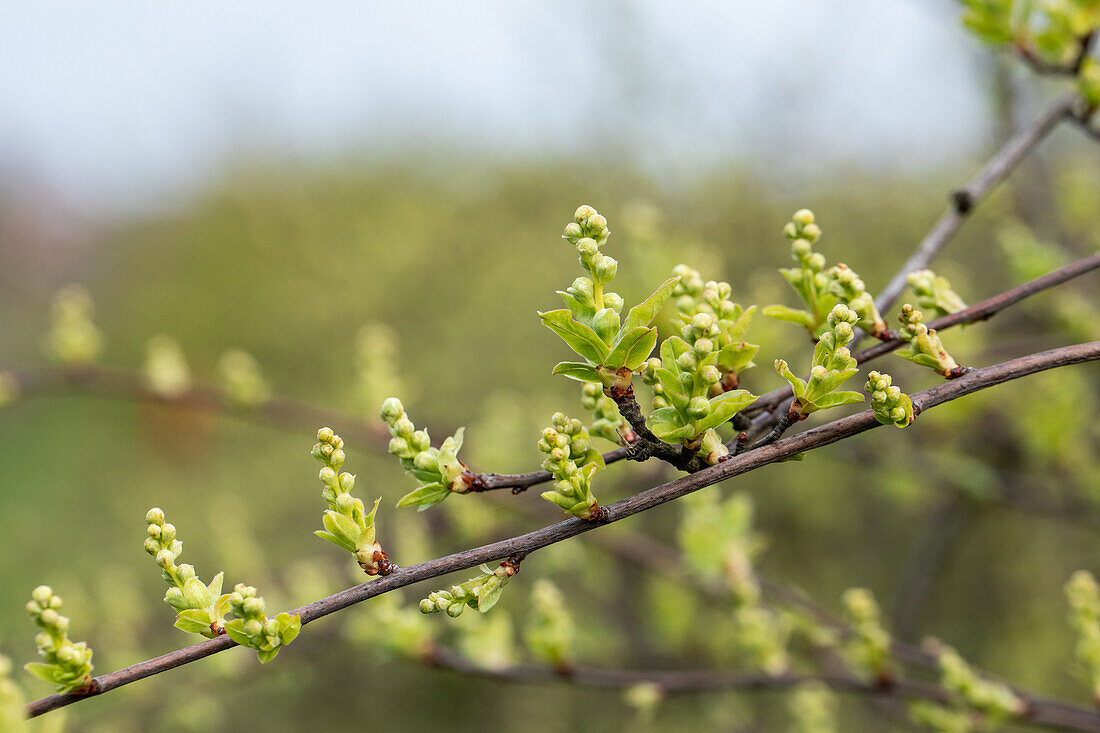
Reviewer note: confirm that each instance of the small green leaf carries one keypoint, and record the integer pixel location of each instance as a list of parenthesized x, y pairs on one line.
[(235, 630), (644, 313), (783, 313), (581, 338), (489, 598), (425, 496), (45, 672), (638, 340), (291, 627), (266, 655), (194, 621), (723, 407), (836, 399), (577, 370)]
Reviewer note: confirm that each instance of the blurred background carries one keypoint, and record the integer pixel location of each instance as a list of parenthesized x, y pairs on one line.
[(274, 177)]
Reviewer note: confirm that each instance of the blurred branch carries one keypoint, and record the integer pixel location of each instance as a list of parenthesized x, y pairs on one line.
[(522, 545), (1041, 711)]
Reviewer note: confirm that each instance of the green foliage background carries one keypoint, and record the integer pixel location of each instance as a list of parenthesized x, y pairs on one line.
[(288, 262)]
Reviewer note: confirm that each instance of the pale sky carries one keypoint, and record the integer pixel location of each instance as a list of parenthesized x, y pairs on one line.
[(136, 101)]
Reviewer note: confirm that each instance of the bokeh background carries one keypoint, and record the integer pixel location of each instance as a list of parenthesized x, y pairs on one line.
[(273, 177)]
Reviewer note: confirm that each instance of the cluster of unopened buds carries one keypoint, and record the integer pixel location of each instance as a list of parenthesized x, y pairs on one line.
[(252, 628), (933, 293), (481, 592), (832, 366), (65, 664), (924, 345), (73, 339), (347, 522), (200, 606), (572, 461), (438, 470), (607, 422), (890, 405), (693, 296), (869, 645)]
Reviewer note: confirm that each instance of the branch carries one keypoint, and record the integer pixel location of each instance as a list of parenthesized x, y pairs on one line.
[(963, 200), (1042, 711), (775, 402), (522, 545)]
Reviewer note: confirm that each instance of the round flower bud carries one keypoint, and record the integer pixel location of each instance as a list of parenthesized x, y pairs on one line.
[(582, 214), (253, 606), (155, 516), (392, 409), (614, 301), (152, 546), (702, 322), (597, 221), (427, 606), (801, 248), (818, 372), (325, 435), (710, 374), (425, 461), (164, 559), (605, 268), (816, 261), (843, 331), (791, 230), (345, 504), (804, 217), (573, 231), (327, 475), (587, 248), (698, 407), (686, 361), (421, 441), (49, 617), (703, 346), (404, 427), (253, 628), (455, 609), (811, 232), (898, 414)]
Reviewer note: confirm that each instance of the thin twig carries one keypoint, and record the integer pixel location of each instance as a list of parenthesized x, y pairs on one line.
[(963, 200), (525, 544), (776, 403)]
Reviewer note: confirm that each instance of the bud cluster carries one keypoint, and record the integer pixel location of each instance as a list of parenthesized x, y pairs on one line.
[(693, 296), (9, 388), (572, 461), (12, 716), (73, 339), (832, 366), (890, 405), (242, 380), (683, 380), (970, 690), (166, 370), (252, 628), (200, 607), (925, 347), (607, 422), (376, 364), (611, 347), (481, 592), (549, 633), (1084, 616), (933, 293), (438, 470), (809, 279), (67, 665), (869, 646), (848, 287), (347, 522), (819, 288)]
